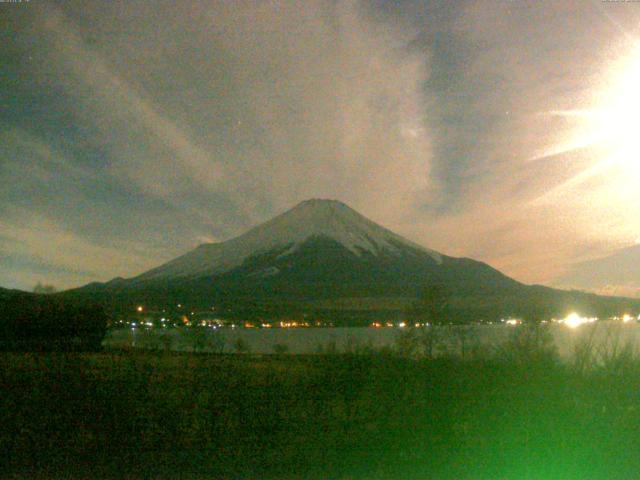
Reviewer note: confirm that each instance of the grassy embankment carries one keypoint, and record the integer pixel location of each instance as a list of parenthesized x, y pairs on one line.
[(515, 414)]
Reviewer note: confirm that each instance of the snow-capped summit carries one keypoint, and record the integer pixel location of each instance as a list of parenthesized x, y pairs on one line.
[(323, 259), (287, 232)]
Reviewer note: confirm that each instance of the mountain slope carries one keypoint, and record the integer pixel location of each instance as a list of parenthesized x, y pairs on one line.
[(322, 255), (617, 273), (312, 218)]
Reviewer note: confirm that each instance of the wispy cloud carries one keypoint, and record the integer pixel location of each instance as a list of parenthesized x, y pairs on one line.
[(229, 115), (141, 129), (35, 239)]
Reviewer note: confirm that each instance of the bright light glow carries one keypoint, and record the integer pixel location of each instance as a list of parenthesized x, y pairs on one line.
[(613, 122), (573, 320), (619, 122), (140, 308), (513, 321), (608, 131), (626, 318), (402, 324)]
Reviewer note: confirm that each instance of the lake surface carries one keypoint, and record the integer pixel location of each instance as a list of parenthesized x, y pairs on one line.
[(604, 337)]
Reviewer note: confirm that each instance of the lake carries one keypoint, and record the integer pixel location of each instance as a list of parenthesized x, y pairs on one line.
[(604, 337)]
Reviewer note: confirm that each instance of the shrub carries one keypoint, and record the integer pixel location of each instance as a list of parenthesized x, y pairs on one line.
[(280, 348), (241, 345), (529, 344)]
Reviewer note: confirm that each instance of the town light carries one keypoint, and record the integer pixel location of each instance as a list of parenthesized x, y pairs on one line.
[(573, 320)]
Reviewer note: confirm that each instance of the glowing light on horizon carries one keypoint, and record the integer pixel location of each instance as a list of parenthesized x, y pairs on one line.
[(513, 321), (573, 320)]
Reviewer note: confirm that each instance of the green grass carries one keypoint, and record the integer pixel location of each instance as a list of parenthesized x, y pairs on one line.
[(366, 416)]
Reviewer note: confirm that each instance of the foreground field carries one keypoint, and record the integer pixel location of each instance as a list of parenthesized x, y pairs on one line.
[(357, 416)]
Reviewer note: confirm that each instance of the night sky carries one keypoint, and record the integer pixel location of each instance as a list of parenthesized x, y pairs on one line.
[(505, 131)]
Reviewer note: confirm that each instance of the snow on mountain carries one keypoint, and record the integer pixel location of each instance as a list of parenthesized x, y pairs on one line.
[(311, 218)]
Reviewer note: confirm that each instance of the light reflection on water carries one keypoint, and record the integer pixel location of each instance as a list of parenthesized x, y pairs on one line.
[(602, 335)]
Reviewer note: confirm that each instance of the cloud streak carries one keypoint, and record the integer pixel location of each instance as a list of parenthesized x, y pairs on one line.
[(147, 128), (227, 115)]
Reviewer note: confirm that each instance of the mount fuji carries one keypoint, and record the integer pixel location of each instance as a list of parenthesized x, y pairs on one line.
[(288, 234), (322, 256)]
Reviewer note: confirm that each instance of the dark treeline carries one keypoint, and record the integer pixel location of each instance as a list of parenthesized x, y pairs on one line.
[(435, 304), (45, 322)]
